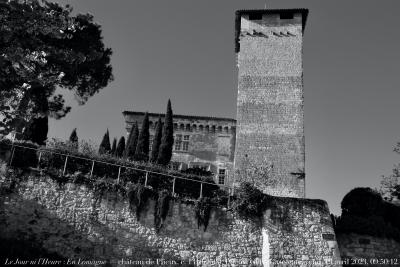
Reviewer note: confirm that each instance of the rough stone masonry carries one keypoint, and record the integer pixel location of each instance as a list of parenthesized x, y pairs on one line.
[(270, 124)]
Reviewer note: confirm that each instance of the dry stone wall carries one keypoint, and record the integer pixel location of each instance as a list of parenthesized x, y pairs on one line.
[(67, 220), (368, 250)]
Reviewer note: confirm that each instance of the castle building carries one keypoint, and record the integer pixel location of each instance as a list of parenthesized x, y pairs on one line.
[(266, 145), (202, 142), (270, 149)]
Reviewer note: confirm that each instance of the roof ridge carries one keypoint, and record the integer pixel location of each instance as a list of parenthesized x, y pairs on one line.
[(179, 115)]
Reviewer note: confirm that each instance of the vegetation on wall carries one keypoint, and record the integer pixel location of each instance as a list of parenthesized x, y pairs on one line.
[(161, 208), (203, 211)]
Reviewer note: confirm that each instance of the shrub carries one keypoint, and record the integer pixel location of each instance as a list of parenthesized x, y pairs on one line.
[(249, 202), (362, 202)]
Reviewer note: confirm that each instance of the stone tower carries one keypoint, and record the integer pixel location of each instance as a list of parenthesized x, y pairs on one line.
[(270, 150)]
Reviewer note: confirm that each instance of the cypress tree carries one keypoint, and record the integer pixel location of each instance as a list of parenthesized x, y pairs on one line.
[(73, 139), (167, 140), (114, 146), (120, 147), (142, 148), (132, 142), (156, 141), (105, 146)]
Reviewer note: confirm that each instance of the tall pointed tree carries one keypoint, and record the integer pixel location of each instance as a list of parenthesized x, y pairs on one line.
[(120, 147), (156, 141), (105, 146), (132, 142), (142, 148), (73, 139), (114, 147), (167, 140)]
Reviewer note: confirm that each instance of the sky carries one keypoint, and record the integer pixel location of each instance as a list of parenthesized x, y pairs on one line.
[(184, 51)]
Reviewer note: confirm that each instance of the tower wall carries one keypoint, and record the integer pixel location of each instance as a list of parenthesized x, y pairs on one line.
[(270, 150)]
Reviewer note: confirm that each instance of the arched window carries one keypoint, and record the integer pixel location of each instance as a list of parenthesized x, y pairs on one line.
[(219, 129), (182, 127), (213, 129), (201, 128), (226, 129), (194, 127), (188, 127), (207, 128)]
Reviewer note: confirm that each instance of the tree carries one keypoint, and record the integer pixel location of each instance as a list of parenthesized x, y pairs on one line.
[(156, 141), (44, 47), (114, 147), (362, 201), (390, 185), (37, 130), (167, 140), (132, 142), (105, 146), (142, 148), (73, 139), (120, 147)]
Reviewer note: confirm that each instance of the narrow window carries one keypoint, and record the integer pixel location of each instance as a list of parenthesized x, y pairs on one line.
[(185, 143), (178, 142), (221, 176)]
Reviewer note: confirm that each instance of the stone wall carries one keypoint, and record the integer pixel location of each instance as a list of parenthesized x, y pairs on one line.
[(270, 123), (66, 219), (364, 249)]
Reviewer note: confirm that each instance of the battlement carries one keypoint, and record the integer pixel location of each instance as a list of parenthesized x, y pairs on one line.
[(248, 21)]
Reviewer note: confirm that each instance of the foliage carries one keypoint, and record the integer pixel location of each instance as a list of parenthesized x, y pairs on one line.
[(73, 139), (36, 130), (167, 140), (132, 142), (24, 158), (138, 196), (156, 141), (250, 202), (105, 146), (374, 226), (142, 148), (161, 208), (114, 147), (120, 147), (198, 171), (255, 174), (365, 212), (203, 212), (44, 47), (362, 202)]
